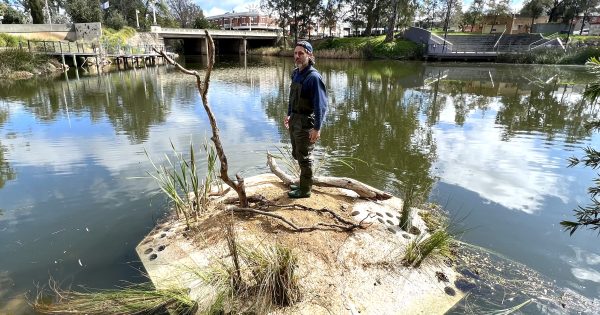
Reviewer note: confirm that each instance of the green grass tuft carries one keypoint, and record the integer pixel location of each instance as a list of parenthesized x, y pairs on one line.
[(423, 247)]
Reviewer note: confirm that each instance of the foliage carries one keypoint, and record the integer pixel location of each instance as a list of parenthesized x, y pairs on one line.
[(535, 8), (588, 216), (117, 38), (134, 299), (370, 47), (7, 40), (115, 20), (202, 23), (37, 11), (20, 60), (84, 11), (577, 56), (11, 16), (185, 12)]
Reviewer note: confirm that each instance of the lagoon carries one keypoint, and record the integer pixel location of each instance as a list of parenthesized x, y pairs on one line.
[(487, 142)]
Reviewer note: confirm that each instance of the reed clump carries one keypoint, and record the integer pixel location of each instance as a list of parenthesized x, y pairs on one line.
[(135, 299), (256, 280), (427, 245), (12, 60), (180, 181)]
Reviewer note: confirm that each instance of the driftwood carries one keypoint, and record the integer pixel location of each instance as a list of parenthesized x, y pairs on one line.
[(363, 190), (346, 227), (203, 88)]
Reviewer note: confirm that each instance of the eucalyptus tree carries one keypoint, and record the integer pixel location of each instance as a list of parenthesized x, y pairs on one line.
[(535, 8), (474, 14), (185, 12), (332, 12), (402, 14), (84, 11), (37, 11), (496, 9), (293, 13)]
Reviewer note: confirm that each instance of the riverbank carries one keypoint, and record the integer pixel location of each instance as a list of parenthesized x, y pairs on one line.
[(354, 48), (18, 64)]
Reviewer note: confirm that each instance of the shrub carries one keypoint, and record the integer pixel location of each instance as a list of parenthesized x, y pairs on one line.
[(115, 20), (20, 60)]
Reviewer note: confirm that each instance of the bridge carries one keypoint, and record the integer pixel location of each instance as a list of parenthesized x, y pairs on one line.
[(226, 41), (478, 47)]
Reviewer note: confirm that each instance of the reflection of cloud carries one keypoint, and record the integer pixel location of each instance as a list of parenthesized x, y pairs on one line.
[(583, 264), (516, 173)]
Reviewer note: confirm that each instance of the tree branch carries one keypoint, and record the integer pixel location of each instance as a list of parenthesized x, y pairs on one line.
[(363, 190), (203, 88)]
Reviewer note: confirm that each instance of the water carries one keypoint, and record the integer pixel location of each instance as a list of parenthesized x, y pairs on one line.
[(488, 142)]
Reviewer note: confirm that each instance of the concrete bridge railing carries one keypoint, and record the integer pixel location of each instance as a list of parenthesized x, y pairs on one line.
[(199, 33)]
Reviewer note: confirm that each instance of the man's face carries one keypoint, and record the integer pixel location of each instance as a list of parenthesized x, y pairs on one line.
[(301, 57)]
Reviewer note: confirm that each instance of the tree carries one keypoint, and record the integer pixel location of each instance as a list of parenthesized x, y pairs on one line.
[(474, 15), (11, 16), (331, 13), (535, 8), (589, 216), (185, 12), (496, 9), (202, 23), (406, 10), (37, 11), (84, 11)]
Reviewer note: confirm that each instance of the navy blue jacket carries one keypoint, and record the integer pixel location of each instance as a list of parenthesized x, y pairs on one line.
[(314, 90)]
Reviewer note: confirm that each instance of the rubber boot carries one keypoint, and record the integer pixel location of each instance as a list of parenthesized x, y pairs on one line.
[(301, 192), (294, 187)]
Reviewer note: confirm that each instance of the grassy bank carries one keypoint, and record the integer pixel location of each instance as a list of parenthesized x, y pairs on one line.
[(13, 60), (355, 48), (117, 38), (574, 56), (7, 40)]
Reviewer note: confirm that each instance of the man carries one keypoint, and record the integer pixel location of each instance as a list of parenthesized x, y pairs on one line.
[(306, 111)]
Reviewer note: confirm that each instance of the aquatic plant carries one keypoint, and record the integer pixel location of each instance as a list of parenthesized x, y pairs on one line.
[(134, 299), (180, 182), (422, 247)]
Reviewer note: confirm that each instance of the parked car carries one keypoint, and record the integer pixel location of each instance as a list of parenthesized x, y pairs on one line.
[(585, 31)]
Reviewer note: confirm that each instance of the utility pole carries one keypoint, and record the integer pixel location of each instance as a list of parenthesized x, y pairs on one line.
[(154, 12), (137, 19), (48, 12)]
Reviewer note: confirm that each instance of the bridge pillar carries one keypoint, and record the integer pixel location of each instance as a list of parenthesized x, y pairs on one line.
[(204, 45), (243, 45)]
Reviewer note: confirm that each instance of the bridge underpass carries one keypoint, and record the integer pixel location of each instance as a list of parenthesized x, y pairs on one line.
[(226, 42)]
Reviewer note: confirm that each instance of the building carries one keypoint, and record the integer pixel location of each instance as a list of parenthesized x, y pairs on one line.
[(515, 24), (251, 21)]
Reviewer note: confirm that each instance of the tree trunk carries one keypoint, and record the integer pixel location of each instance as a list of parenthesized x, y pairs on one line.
[(389, 36), (371, 16), (37, 11)]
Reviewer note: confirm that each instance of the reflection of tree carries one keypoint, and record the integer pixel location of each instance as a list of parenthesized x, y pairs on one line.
[(542, 110), (132, 100), (6, 172)]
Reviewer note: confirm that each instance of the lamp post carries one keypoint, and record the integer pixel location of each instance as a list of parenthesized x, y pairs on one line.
[(137, 19), (154, 13)]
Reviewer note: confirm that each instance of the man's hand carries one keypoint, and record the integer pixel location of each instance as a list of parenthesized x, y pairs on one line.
[(314, 135), (286, 122)]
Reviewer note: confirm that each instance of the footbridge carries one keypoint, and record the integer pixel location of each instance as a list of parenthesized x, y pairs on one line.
[(226, 41)]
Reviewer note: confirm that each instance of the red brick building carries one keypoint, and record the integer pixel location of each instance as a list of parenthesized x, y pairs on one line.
[(244, 21)]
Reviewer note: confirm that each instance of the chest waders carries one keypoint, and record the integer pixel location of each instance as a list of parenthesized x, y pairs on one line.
[(302, 120)]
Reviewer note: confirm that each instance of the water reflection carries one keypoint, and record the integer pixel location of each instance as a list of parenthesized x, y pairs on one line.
[(493, 137)]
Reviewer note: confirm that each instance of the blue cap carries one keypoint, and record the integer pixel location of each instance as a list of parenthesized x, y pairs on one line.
[(306, 46)]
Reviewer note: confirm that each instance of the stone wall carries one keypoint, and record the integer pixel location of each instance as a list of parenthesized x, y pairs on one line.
[(88, 31), (70, 32)]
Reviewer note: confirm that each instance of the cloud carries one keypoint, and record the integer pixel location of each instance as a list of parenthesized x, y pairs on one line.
[(214, 7)]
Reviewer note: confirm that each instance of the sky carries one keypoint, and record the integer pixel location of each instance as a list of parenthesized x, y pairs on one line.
[(216, 7)]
